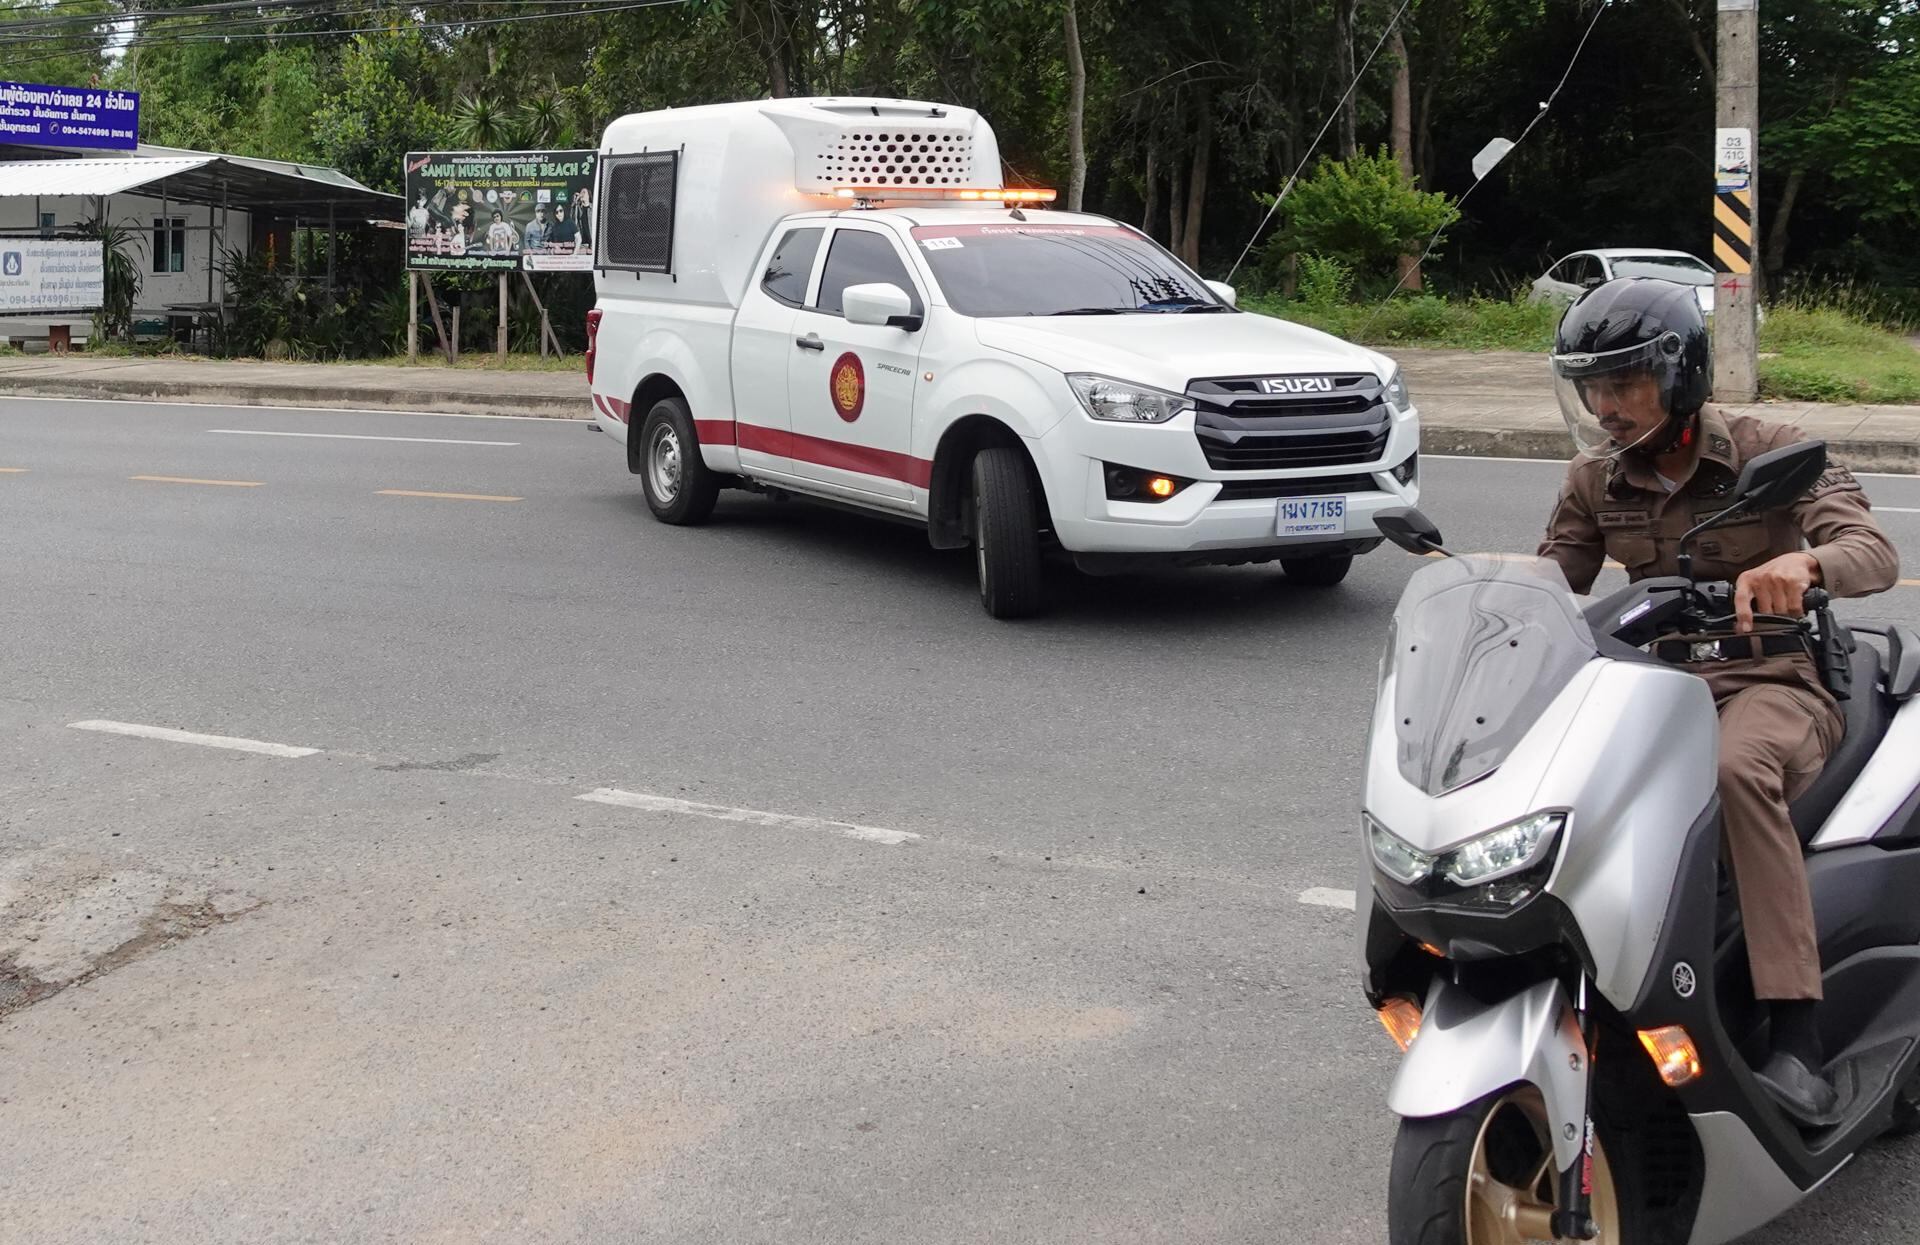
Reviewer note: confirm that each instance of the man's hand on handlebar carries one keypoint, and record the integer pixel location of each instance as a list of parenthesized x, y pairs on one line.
[(1777, 587)]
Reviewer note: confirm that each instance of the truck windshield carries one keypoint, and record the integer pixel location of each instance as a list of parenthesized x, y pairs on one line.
[(1043, 269)]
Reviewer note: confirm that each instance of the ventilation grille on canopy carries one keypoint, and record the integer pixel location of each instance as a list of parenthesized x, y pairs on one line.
[(900, 155)]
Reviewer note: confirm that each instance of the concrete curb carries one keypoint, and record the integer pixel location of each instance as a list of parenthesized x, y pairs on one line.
[(1890, 457), (555, 407)]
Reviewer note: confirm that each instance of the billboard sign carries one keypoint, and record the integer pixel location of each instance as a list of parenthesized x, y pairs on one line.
[(51, 274), (69, 116), (495, 211)]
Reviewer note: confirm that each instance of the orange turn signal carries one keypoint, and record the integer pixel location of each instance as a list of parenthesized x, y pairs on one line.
[(1160, 486), (1401, 1019), (1673, 1054)]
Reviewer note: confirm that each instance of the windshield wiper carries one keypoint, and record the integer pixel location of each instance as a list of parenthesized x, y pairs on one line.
[(1094, 311), (1181, 306)]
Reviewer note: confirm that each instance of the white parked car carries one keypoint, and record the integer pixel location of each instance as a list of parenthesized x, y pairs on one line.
[(1583, 270), (839, 300)]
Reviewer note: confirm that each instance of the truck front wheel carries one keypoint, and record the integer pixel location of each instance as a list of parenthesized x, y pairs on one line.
[(1006, 534), (1322, 570), (679, 487)]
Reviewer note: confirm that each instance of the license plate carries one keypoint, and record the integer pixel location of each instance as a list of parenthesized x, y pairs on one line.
[(1313, 516)]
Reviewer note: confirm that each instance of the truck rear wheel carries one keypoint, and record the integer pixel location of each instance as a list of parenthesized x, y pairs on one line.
[(679, 487), (1322, 571), (1006, 534)]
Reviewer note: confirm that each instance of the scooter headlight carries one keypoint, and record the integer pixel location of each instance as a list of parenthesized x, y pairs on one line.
[(1397, 858), (1509, 849), (1499, 868)]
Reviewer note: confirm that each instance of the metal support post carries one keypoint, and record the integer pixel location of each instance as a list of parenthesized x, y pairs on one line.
[(500, 330), (1736, 203)]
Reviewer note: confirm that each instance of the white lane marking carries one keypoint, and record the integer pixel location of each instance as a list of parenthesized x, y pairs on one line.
[(1897, 509), (1327, 897), (193, 737), (751, 816), (350, 436), (586, 417)]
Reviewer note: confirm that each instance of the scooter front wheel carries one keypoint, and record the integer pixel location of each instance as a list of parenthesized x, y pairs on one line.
[(1484, 1175)]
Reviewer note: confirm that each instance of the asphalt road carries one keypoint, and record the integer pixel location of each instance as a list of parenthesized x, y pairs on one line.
[(911, 926)]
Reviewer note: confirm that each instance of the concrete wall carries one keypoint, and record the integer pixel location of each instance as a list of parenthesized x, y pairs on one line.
[(136, 212)]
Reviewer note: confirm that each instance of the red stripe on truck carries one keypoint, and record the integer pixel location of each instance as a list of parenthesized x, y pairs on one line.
[(887, 464)]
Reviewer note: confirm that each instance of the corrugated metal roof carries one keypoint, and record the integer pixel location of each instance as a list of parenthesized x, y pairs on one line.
[(88, 177)]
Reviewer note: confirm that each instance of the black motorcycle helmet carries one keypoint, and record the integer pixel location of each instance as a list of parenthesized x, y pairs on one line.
[(1629, 326)]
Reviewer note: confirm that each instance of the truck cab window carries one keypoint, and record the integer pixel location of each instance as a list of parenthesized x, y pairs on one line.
[(860, 257), (792, 263)]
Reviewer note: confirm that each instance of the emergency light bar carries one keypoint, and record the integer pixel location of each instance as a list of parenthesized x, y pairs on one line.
[(967, 194)]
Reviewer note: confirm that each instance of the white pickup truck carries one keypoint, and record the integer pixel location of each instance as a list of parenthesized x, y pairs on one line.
[(840, 299)]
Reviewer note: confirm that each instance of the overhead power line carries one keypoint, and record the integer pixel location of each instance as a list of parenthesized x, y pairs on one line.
[(140, 38), (1314, 146), (1537, 116)]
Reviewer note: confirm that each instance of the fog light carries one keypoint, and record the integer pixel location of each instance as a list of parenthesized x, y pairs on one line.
[(1673, 1054), (1408, 471), (1133, 484), (1401, 1019)]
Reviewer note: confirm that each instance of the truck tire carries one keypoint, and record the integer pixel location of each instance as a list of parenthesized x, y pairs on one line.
[(679, 487), (1321, 571), (1006, 534)]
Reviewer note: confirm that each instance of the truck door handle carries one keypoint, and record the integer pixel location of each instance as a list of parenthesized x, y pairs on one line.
[(810, 342)]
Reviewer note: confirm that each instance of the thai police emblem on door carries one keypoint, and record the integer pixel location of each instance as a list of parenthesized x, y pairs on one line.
[(847, 384)]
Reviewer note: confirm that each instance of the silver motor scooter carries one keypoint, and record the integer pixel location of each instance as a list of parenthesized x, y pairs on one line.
[(1552, 938)]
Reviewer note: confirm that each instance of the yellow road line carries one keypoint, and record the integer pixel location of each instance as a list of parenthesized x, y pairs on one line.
[(1910, 583), (13, 471), (402, 492), (190, 480)]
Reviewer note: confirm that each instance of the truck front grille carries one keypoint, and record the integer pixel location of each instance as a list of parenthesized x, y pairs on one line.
[(1339, 420)]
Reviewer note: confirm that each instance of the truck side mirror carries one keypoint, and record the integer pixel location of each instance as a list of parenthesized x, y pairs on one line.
[(1225, 293), (881, 305)]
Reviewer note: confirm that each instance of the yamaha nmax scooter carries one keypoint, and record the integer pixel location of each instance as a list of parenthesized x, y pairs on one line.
[(1551, 935)]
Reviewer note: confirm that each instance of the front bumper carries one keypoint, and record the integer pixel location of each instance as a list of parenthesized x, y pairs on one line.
[(1196, 524)]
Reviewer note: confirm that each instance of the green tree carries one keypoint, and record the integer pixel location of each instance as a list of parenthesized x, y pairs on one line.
[(376, 112), (1365, 212)]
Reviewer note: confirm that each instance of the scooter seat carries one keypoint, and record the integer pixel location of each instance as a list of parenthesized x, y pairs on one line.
[(1866, 715)]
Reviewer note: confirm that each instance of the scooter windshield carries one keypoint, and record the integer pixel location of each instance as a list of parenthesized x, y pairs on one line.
[(1480, 646)]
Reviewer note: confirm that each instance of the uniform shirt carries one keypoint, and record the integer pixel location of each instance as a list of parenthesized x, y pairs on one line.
[(1617, 508)]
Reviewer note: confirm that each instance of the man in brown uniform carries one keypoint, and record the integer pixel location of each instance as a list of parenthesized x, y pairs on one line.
[(1633, 368)]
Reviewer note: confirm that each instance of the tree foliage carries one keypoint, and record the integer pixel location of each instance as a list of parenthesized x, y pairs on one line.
[(1363, 211), (1196, 111)]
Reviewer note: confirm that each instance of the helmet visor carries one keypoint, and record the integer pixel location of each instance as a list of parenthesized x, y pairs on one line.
[(1617, 400)]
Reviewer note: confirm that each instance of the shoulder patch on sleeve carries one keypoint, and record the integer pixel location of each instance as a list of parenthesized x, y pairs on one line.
[(1836, 479)]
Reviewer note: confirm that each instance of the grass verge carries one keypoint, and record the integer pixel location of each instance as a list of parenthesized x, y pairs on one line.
[(1809, 353)]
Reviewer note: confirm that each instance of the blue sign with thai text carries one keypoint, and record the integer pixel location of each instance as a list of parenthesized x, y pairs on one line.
[(69, 116)]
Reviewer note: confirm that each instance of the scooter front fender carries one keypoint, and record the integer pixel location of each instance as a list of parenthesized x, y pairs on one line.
[(1467, 1050)]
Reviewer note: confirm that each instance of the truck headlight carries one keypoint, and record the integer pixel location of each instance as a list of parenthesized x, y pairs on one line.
[(1397, 396), (1121, 402)]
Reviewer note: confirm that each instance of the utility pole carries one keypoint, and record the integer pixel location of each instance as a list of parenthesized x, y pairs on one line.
[(1736, 202)]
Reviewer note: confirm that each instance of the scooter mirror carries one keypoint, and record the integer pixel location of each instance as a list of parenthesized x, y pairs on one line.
[(1408, 528), (1779, 477)]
